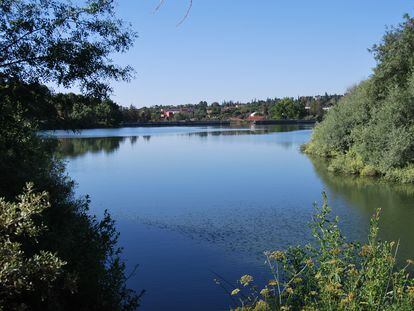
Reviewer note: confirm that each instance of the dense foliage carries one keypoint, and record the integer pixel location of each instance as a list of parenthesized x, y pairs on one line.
[(79, 111), (42, 268), (62, 111), (92, 276), (54, 254), (331, 274), (63, 42), (371, 131)]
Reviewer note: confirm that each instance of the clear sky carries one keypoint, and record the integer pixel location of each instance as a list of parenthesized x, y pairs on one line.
[(245, 49)]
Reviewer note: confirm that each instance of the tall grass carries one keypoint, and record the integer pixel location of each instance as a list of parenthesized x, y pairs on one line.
[(331, 274)]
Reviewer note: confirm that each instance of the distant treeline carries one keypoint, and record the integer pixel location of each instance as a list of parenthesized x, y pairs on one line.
[(305, 107), (63, 111), (69, 110)]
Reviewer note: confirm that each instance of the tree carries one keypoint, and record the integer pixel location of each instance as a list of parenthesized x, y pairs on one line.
[(316, 109), (75, 264), (58, 41), (288, 108), (145, 114), (87, 245), (371, 130), (395, 57)]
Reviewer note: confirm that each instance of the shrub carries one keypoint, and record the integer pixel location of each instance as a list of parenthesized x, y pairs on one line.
[(349, 163), (405, 175), (372, 127), (369, 171), (332, 274), (19, 272)]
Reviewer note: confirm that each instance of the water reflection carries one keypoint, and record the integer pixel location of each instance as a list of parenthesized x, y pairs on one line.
[(75, 147), (252, 130), (367, 194), (72, 146)]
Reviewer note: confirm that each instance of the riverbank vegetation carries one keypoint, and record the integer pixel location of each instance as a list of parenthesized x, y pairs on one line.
[(331, 274), (371, 131), (54, 255)]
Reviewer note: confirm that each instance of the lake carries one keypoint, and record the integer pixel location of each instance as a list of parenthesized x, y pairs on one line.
[(194, 204)]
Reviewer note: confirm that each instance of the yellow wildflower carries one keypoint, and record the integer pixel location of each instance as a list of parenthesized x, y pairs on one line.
[(246, 279), (235, 291), (261, 305), (265, 292), (332, 262), (297, 280), (273, 283), (277, 255), (366, 250), (348, 299), (309, 262), (410, 290), (335, 251)]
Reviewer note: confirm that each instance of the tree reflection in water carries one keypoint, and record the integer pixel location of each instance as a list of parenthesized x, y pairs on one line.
[(367, 194), (74, 147)]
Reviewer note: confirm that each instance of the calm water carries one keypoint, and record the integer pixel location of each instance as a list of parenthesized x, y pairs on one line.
[(192, 203)]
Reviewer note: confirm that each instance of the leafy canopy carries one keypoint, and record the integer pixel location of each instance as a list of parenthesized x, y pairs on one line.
[(62, 42)]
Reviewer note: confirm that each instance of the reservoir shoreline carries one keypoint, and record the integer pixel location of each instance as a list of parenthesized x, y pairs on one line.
[(215, 123)]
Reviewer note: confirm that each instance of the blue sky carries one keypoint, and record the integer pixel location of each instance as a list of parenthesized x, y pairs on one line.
[(245, 49)]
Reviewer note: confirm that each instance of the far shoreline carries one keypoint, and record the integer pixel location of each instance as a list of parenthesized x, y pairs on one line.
[(192, 123), (215, 122)]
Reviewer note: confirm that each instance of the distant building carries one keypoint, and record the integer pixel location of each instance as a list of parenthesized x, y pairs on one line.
[(254, 117), (169, 113)]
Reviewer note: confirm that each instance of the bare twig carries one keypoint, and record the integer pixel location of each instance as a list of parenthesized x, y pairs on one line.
[(132, 272), (190, 4), (390, 274), (275, 276), (159, 5), (186, 13), (292, 279)]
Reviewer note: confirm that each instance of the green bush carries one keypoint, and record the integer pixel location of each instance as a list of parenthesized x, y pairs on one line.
[(349, 163), (93, 275), (331, 274), (371, 130), (405, 175), (20, 273)]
